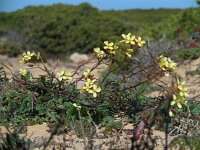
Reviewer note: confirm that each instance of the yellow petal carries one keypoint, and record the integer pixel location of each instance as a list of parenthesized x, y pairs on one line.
[(124, 36), (90, 91), (170, 113), (106, 42), (98, 89), (179, 105), (172, 103), (94, 94), (174, 97), (166, 74)]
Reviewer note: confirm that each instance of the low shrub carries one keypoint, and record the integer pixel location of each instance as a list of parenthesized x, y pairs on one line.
[(56, 99), (184, 23), (190, 53), (11, 48)]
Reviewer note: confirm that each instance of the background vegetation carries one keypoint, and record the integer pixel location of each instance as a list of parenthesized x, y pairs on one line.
[(65, 28), (186, 21)]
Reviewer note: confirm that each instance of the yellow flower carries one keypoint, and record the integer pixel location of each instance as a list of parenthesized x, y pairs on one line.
[(99, 53), (182, 88), (28, 56), (128, 39), (90, 82), (139, 41), (64, 75), (87, 73), (179, 101), (22, 72), (171, 64), (88, 85), (86, 88), (77, 106), (110, 47), (129, 52), (167, 65), (95, 90)]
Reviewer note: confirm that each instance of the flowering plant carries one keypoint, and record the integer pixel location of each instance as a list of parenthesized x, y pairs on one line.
[(81, 95)]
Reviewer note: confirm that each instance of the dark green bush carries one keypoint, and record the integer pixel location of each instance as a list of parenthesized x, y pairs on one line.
[(65, 29), (191, 53), (11, 48)]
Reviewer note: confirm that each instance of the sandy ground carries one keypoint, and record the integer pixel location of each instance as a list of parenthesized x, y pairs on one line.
[(39, 133)]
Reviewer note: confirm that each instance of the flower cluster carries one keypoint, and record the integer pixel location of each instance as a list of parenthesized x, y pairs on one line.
[(99, 53), (182, 88), (132, 42), (30, 57), (129, 52), (137, 42), (110, 47), (167, 65), (128, 39), (179, 97), (89, 85), (180, 91), (64, 75), (22, 72)]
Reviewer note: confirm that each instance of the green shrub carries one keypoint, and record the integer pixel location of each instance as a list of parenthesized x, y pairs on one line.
[(11, 48), (185, 22), (191, 53), (65, 29)]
